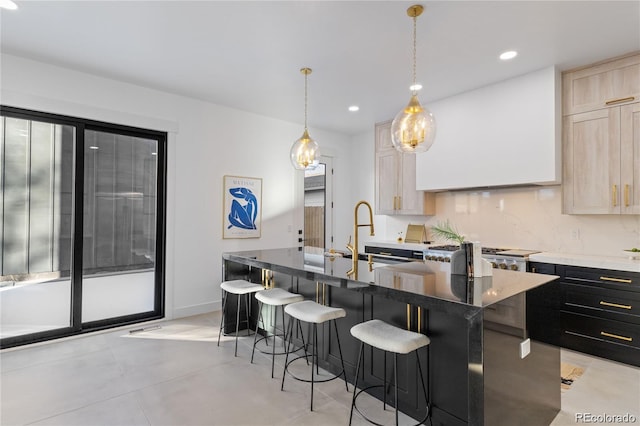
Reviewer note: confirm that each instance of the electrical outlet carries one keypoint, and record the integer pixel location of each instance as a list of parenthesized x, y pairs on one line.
[(525, 348)]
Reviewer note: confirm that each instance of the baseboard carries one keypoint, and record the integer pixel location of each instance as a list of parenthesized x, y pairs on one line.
[(202, 308)]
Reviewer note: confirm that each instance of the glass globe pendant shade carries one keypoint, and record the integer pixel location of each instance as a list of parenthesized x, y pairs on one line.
[(304, 152), (414, 128)]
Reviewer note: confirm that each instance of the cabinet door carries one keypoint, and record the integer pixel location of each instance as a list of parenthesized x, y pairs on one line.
[(591, 181), (410, 199), (353, 303), (383, 136), (630, 158), (602, 85), (396, 179), (386, 182), (409, 387)]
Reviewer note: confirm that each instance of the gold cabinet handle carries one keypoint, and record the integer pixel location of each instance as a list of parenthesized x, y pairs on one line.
[(324, 294), (626, 195), (616, 336), (616, 280), (267, 278), (615, 195), (395, 202), (408, 317), (385, 253), (615, 305), (399, 203), (617, 101)]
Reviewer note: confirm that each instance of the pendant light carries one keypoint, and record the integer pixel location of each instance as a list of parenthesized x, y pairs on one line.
[(304, 152), (414, 128)]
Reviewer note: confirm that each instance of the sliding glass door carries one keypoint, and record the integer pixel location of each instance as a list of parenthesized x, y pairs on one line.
[(81, 225), (36, 211), (119, 237)]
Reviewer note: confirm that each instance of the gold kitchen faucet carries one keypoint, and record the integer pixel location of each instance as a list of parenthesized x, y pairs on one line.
[(354, 248)]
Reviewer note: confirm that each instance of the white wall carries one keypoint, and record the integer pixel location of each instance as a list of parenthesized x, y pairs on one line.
[(206, 142)]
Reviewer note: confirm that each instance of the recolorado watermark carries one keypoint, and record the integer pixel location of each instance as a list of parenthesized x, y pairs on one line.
[(605, 418)]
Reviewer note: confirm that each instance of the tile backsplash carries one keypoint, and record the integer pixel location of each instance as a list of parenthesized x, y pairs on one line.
[(527, 218)]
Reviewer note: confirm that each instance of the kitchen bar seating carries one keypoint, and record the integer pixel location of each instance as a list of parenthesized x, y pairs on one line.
[(314, 314), (239, 288), (273, 297), (378, 334)]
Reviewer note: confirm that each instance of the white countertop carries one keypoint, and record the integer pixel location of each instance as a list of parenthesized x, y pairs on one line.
[(589, 261)]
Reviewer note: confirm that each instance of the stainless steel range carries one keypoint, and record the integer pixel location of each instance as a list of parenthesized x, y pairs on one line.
[(515, 260)]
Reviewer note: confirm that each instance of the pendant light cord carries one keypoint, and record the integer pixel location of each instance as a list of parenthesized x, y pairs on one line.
[(305, 100), (414, 53)]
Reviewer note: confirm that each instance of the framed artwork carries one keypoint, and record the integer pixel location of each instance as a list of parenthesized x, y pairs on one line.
[(242, 207)]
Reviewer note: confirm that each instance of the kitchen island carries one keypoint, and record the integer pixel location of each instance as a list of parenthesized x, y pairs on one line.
[(477, 327)]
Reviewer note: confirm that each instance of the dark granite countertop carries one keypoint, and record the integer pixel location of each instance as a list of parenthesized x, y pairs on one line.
[(402, 281)]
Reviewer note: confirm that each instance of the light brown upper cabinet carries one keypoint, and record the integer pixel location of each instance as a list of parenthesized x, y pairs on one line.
[(395, 179), (601, 85), (601, 138)]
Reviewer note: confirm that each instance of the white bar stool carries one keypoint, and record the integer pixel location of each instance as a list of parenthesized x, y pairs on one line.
[(239, 288), (313, 313), (378, 334), (273, 297)]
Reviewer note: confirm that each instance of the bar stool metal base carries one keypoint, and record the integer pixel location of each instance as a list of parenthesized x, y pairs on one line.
[(239, 288), (276, 297), (314, 357), (274, 335), (388, 338), (313, 313)]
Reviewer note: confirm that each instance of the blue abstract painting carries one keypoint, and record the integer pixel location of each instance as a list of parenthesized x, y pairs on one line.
[(243, 215), (242, 207)]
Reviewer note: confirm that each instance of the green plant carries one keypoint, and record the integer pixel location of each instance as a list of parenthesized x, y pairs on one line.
[(447, 231)]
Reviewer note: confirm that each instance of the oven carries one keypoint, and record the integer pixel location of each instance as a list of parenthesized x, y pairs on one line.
[(500, 258)]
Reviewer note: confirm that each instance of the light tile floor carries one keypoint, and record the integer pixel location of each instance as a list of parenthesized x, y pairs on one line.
[(176, 375)]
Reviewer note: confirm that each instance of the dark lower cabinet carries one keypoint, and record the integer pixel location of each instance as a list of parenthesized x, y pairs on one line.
[(359, 308), (352, 302), (410, 393), (543, 307), (610, 339), (444, 366), (590, 310), (446, 362)]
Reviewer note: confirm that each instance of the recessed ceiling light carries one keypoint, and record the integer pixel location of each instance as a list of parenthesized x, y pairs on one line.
[(354, 108), (93, 147), (8, 4), (415, 87), (509, 54)]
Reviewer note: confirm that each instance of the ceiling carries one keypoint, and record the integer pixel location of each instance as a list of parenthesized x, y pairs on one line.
[(247, 55)]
